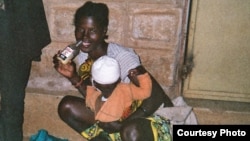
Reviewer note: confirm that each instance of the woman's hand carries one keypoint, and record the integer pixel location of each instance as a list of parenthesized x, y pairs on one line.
[(132, 74), (67, 70)]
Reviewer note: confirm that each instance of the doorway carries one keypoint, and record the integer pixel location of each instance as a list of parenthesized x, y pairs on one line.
[(219, 40)]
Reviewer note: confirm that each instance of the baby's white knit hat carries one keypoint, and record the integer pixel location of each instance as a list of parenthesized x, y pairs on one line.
[(105, 70)]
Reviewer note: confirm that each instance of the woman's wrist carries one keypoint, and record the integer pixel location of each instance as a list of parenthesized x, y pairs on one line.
[(75, 80), (78, 84)]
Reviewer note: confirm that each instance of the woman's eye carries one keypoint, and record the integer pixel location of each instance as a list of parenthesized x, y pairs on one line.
[(80, 30), (93, 31), (89, 31)]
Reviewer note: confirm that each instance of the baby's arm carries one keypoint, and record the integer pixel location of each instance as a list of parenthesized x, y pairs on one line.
[(143, 86)]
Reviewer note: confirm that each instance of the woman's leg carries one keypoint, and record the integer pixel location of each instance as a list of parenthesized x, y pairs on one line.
[(73, 111)]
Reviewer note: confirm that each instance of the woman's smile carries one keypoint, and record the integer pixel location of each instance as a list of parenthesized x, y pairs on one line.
[(85, 44)]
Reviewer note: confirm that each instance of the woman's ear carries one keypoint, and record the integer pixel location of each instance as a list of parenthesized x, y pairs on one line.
[(105, 30)]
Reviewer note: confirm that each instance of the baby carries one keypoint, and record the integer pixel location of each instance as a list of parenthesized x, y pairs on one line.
[(108, 98)]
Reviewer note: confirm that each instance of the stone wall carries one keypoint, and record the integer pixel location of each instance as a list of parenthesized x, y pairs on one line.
[(156, 29)]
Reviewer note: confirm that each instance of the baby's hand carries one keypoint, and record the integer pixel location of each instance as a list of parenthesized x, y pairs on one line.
[(132, 75)]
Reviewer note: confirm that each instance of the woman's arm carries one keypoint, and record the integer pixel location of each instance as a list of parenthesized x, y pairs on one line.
[(69, 71), (111, 127), (156, 99)]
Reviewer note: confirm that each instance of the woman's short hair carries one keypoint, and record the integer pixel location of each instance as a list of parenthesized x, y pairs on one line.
[(99, 11)]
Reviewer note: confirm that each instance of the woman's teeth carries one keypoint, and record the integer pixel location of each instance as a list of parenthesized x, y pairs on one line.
[(85, 43)]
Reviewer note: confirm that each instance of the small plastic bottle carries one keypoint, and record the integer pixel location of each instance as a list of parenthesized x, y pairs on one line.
[(69, 52)]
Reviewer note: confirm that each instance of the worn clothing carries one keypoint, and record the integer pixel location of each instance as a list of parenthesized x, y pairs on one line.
[(116, 108), (28, 27), (126, 58), (23, 33), (159, 125), (120, 99)]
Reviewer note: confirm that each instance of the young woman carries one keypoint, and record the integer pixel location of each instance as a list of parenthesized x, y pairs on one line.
[(91, 25)]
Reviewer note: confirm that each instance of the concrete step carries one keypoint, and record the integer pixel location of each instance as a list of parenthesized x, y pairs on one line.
[(211, 117), (220, 112)]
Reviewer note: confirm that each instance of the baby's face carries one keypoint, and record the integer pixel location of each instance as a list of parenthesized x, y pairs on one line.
[(106, 89)]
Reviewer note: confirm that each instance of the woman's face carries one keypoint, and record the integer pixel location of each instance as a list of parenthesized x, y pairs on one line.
[(90, 33)]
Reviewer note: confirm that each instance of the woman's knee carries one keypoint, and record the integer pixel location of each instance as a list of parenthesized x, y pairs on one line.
[(129, 132), (65, 106), (137, 130)]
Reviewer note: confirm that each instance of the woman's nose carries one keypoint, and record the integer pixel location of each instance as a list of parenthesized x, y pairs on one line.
[(85, 34)]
